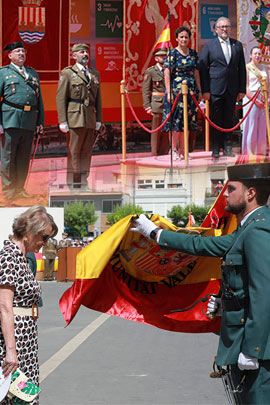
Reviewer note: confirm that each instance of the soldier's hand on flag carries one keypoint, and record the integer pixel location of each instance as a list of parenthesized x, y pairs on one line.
[(143, 225), (213, 306), (247, 363), (63, 126)]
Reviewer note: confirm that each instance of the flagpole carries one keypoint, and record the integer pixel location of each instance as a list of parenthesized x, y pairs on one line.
[(171, 96), (122, 86)]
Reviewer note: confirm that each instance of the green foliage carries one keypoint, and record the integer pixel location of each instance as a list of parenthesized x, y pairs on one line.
[(77, 217), (180, 216), (122, 212)]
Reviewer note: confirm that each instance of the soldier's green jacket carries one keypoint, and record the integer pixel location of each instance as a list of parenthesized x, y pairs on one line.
[(246, 270), (153, 82), (73, 86), (15, 89)]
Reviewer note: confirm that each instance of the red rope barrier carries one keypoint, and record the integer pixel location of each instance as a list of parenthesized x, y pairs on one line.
[(238, 107), (226, 129), (141, 124)]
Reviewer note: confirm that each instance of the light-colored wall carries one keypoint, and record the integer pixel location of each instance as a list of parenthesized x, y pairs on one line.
[(7, 216)]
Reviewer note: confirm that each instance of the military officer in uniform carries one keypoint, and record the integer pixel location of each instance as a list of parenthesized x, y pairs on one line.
[(244, 342), (153, 92), (65, 241), (49, 252), (22, 113), (80, 114)]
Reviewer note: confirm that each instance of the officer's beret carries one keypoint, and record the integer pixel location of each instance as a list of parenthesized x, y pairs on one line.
[(255, 172), (161, 52), (80, 47), (65, 233), (13, 45)]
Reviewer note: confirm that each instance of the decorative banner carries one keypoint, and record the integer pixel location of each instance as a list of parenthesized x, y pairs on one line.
[(109, 19), (255, 28), (43, 26), (151, 17)]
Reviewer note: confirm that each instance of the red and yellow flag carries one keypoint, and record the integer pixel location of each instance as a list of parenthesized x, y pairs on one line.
[(164, 40)]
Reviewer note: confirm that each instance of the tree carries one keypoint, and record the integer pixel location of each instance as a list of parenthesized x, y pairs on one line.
[(180, 216), (77, 217), (122, 212)]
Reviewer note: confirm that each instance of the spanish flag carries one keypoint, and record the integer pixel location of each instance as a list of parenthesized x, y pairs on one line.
[(164, 40), (124, 274)]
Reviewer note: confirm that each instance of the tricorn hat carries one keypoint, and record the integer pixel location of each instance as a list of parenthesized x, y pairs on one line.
[(258, 173), (161, 52), (13, 45), (80, 47)]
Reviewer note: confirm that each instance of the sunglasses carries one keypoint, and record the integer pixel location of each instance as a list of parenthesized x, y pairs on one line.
[(45, 237)]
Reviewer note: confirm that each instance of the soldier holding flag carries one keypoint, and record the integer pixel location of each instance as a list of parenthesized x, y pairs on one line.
[(244, 343)]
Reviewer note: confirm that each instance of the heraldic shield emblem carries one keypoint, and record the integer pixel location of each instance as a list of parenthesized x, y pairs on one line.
[(31, 25)]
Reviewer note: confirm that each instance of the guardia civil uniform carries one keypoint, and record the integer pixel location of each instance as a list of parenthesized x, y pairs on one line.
[(153, 92), (79, 104), (245, 323), (21, 112)]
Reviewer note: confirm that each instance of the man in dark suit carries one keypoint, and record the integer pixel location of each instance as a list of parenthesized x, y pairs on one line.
[(223, 81)]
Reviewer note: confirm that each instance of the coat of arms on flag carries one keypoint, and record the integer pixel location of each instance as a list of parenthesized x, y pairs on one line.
[(31, 24)]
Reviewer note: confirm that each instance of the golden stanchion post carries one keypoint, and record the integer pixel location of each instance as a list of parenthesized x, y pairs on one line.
[(185, 101), (123, 119), (266, 106), (207, 127)]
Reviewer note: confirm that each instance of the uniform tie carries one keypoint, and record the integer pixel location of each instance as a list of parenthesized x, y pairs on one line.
[(22, 72), (85, 72)]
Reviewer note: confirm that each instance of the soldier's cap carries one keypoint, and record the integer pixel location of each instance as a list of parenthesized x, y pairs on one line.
[(13, 45), (258, 173), (80, 47), (65, 233), (161, 52)]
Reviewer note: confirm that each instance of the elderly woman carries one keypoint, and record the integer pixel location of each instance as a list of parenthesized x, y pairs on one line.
[(20, 293)]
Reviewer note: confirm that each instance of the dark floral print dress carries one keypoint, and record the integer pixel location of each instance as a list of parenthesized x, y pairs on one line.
[(182, 68)]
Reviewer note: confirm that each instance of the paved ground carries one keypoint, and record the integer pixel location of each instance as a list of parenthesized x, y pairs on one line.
[(99, 359)]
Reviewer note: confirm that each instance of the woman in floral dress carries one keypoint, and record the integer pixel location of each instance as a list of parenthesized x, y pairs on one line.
[(19, 292), (183, 63)]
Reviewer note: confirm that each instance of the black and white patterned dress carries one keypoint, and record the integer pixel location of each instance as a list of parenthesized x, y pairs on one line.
[(15, 271)]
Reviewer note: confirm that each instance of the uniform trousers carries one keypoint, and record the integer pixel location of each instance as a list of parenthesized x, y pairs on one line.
[(222, 110), (80, 142), (15, 156), (256, 388), (254, 138), (159, 141)]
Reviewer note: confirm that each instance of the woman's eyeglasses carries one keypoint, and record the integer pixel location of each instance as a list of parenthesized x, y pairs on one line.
[(45, 237)]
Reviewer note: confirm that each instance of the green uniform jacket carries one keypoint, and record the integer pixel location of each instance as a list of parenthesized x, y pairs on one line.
[(246, 270), (73, 86), (50, 249), (15, 89), (153, 82)]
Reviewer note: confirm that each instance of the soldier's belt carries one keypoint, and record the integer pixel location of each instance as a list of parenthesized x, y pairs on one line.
[(234, 304), (157, 93), (20, 106), (80, 101)]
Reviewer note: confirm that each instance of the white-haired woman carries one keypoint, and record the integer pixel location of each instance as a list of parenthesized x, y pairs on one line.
[(20, 293)]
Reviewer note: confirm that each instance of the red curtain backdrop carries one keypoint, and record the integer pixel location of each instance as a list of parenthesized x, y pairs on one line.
[(43, 27), (144, 24)]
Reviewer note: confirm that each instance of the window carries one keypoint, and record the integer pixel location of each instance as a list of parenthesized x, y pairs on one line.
[(109, 205), (145, 184)]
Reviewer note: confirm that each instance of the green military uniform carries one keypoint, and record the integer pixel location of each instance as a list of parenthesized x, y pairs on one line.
[(245, 323), (153, 92), (21, 112), (49, 251), (79, 104)]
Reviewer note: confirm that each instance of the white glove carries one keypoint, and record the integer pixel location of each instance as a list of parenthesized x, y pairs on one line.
[(98, 125), (214, 306), (247, 363), (1, 129), (143, 225), (43, 257), (63, 126), (56, 257)]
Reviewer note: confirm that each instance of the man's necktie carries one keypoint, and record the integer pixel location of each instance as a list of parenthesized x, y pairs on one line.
[(85, 72), (227, 52), (22, 72)]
